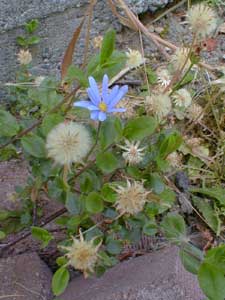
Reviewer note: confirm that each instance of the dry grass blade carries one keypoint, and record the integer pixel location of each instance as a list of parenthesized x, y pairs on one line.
[(125, 21), (137, 24), (87, 38), (67, 59)]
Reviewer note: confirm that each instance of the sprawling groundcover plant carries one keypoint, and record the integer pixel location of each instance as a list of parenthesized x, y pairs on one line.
[(105, 154)]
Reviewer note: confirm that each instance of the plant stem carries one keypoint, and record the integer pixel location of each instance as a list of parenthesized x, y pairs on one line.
[(95, 143), (65, 174)]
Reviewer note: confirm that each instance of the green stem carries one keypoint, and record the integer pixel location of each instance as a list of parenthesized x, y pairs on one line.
[(177, 86), (95, 143)]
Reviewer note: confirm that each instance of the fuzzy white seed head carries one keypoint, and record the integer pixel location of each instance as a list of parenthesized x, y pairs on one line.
[(82, 255), (132, 198), (202, 20), (134, 58), (24, 57), (164, 77), (68, 143), (132, 153), (179, 58), (159, 104), (182, 98)]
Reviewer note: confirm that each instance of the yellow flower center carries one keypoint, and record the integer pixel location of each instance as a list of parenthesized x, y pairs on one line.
[(102, 106)]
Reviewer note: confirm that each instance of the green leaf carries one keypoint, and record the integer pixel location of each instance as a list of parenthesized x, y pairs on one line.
[(34, 145), (73, 204), (167, 199), (33, 40), (111, 132), (108, 44), (42, 235), (191, 257), (209, 214), (31, 26), (170, 144), (94, 203), (212, 281), (108, 194), (74, 73), (138, 128), (49, 122), (2, 235), (156, 183), (8, 152), (61, 261), (174, 228), (60, 281), (21, 41), (216, 257), (114, 247), (150, 228), (107, 162), (152, 76), (8, 124), (214, 192), (89, 181)]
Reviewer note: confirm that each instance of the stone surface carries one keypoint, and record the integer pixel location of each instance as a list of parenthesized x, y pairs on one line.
[(155, 276), (25, 277), (58, 20), (140, 6)]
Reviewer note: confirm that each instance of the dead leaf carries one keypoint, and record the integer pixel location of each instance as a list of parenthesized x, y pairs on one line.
[(68, 57)]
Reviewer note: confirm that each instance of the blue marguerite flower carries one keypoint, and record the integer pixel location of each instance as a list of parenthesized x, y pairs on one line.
[(105, 103)]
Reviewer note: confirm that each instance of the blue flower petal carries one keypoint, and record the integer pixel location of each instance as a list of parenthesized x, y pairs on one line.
[(94, 90), (86, 104), (105, 83), (119, 109), (112, 94), (94, 115), (122, 91), (92, 96), (102, 116)]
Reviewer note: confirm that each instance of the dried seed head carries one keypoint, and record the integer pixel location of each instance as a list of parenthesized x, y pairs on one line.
[(159, 104), (24, 57), (97, 41), (82, 255), (182, 98), (132, 198), (179, 58), (195, 111), (202, 20), (164, 77), (134, 58), (132, 154), (68, 143), (175, 159)]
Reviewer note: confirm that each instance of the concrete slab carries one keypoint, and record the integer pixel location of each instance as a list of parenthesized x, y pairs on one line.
[(155, 276), (25, 277)]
